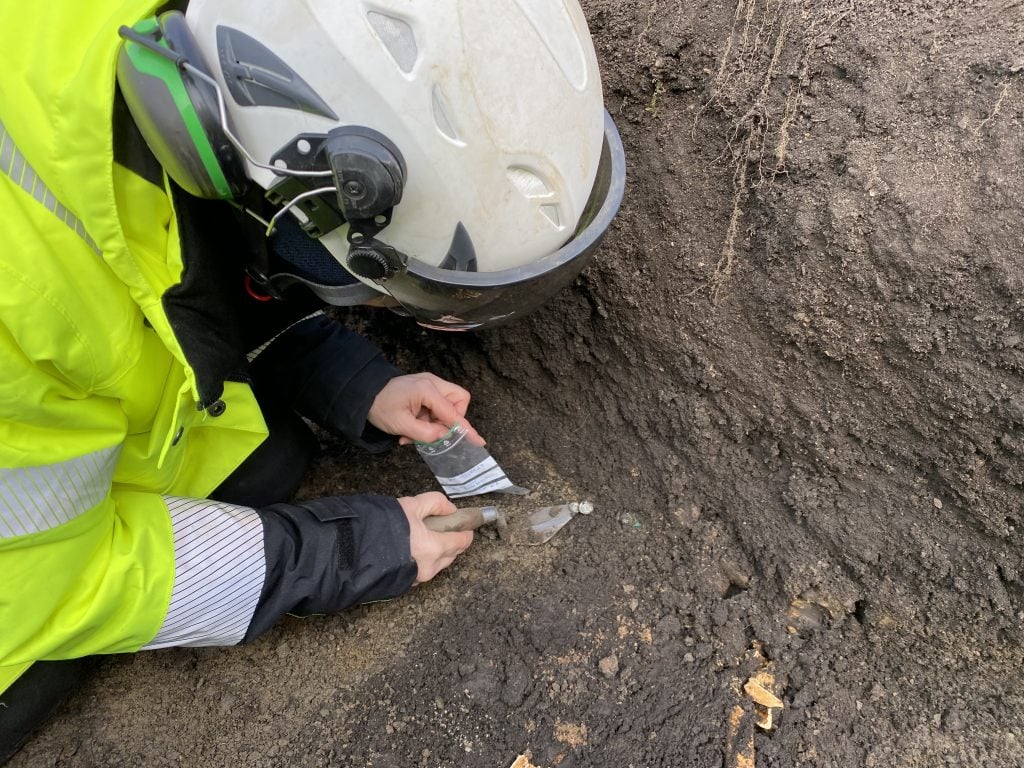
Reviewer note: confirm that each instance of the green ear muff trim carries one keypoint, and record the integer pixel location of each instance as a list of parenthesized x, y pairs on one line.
[(153, 64)]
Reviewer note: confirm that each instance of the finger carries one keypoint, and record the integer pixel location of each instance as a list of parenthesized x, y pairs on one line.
[(453, 393), (446, 386), (445, 560), (411, 441), (434, 503), (461, 406), (461, 541), (422, 430), (467, 540), (455, 542), (459, 398), (440, 408), (425, 504), (473, 436), (409, 428)]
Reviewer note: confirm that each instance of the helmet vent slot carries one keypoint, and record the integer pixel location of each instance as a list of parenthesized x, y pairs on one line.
[(553, 214), (442, 117), (397, 37), (528, 182), (258, 77)]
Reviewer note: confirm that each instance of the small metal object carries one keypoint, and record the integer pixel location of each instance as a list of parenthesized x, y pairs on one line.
[(491, 515)]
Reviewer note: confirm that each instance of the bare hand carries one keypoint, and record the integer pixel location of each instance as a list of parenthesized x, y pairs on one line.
[(433, 552), (423, 407)]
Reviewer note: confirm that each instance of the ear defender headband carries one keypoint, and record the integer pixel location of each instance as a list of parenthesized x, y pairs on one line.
[(161, 72)]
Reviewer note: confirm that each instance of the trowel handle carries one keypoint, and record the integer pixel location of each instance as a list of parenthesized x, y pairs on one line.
[(464, 519)]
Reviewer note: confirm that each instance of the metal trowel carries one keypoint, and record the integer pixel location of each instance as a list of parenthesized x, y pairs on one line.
[(536, 528)]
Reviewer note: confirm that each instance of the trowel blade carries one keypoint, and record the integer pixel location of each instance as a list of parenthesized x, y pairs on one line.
[(547, 521)]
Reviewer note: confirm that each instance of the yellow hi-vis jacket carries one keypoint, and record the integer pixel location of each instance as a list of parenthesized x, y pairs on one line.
[(100, 434)]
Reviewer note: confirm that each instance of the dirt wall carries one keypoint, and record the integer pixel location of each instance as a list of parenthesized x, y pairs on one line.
[(791, 382)]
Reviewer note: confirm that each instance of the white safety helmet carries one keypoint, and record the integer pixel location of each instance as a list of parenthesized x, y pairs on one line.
[(453, 155)]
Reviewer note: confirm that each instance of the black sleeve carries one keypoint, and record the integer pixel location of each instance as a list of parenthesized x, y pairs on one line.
[(330, 375), (330, 554)]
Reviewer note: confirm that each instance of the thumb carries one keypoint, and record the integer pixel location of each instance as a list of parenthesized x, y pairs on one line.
[(424, 431)]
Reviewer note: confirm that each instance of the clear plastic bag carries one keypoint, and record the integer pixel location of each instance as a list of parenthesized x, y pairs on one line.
[(464, 469)]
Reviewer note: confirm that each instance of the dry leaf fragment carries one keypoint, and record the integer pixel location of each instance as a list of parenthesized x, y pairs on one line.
[(522, 762), (761, 695), (764, 702), (764, 717)]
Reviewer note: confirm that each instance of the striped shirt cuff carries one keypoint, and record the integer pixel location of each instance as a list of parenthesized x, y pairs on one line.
[(219, 572)]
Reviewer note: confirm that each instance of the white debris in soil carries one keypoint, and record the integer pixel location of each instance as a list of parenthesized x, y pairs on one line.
[(609, 666)]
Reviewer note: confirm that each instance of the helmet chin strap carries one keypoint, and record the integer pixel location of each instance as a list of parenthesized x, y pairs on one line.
[(351, 295), (299, 259)]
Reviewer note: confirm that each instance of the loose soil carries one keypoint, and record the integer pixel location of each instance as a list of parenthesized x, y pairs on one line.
[(792, 383)]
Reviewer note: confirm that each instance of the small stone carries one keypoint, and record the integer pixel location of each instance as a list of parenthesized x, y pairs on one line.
[(688, 658), (227, 703), (937, 503), (609, 666)]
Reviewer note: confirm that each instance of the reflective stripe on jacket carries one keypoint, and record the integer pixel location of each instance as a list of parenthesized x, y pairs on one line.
[(100, 433)]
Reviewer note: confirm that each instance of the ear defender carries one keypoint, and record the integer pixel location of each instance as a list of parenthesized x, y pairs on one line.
[(176, 111)]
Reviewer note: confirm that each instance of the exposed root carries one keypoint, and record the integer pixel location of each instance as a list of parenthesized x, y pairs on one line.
[(759, 85), (1003, 88), (724, 267), (641, 40)]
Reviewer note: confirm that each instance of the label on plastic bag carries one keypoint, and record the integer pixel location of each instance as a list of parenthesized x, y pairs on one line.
[(464, 469)]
